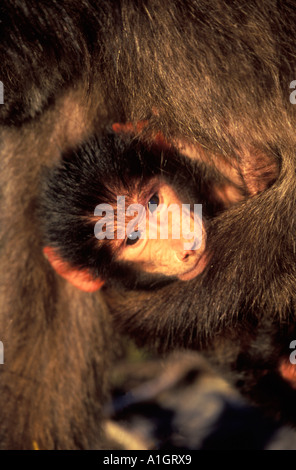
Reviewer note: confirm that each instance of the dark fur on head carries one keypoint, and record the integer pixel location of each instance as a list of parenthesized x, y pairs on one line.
[(98, 171)]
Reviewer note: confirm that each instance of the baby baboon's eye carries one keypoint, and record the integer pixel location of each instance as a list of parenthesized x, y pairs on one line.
[(133, 238), (153, 203)]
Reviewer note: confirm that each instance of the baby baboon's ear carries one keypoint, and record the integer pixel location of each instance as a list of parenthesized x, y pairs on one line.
[(79, 278)]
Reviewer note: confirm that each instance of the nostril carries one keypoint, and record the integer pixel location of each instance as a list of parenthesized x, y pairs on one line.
[(186, 255), (183, 255)]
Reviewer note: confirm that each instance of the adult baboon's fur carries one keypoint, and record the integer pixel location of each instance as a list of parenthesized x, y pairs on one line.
[(211, 73)]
